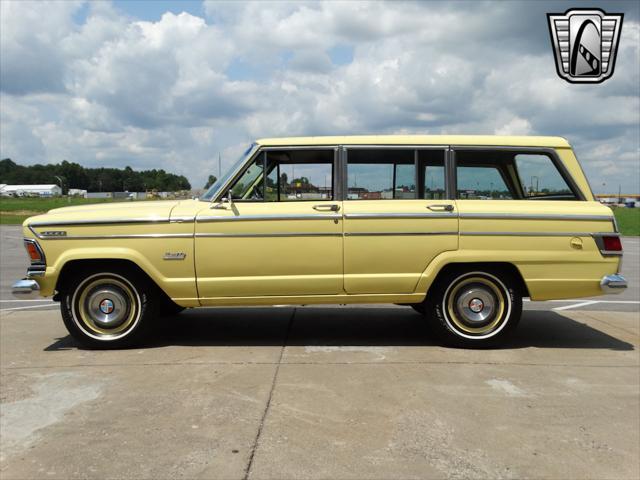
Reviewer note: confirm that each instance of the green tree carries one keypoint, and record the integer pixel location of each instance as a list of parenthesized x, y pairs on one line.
[(212, 179)]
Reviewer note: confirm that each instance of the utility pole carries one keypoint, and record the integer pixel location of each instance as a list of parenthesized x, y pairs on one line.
[(219, 166), (62, 188), (619, 193)]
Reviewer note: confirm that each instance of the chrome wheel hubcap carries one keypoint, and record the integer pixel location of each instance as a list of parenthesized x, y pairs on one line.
[(107, 306), (475, 305)]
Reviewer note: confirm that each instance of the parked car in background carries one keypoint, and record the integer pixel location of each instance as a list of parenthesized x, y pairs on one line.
[(461, 228)]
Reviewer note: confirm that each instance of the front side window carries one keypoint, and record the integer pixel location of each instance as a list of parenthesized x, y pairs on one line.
[(213, 190), (285, 176), (248, 186)]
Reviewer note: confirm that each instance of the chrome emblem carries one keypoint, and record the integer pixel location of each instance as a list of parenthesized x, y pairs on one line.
[(106, 306), (585, 43), (174, 256), (54, 233)]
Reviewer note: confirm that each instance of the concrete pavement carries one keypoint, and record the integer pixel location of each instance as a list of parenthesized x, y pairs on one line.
[(322, 393)]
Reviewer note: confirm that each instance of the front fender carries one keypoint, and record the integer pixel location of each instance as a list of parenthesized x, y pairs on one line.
[(174, 277)]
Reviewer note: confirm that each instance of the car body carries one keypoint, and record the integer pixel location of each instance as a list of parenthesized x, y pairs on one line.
[(459, 227)]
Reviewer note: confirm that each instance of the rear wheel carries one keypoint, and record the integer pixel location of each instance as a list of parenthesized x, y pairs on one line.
[(474, 309), (108, 309)]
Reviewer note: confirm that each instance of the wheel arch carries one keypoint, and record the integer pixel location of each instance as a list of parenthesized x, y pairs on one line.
[(490, 267), (73, 266)]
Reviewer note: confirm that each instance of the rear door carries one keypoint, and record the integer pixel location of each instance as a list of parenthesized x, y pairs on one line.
[(281, 235), (397, 216)]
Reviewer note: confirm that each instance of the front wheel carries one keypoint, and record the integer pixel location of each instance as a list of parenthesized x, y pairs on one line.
[(474, 309), (107, 309)]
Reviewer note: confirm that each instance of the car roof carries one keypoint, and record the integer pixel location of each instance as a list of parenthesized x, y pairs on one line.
[(485, 140)]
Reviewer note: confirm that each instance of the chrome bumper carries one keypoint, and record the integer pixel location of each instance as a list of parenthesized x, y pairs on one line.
[(25, 288), (613, 283)]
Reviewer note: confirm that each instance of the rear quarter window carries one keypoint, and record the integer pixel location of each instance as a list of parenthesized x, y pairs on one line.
[(509, 175)]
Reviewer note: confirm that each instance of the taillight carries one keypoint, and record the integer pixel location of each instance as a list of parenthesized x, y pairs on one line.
[(35, 254), (612, 244)]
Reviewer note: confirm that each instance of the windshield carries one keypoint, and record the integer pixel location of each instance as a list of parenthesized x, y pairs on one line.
[(213, 190)]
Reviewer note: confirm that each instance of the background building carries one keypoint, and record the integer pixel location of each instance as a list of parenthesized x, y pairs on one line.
[(50, 190)]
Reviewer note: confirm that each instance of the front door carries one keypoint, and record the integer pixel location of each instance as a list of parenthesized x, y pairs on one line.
[(397, 218), (280, 236)]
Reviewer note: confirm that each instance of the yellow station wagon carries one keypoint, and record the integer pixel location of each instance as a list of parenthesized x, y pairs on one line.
[(461, 228)]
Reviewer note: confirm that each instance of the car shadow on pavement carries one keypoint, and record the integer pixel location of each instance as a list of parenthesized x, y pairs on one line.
[(347, 326)]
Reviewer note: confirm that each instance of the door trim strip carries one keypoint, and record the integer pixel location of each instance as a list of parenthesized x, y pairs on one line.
[(267, 235), (396, 234), (247, 218), (520, 216), (399, 215), (534, 234)]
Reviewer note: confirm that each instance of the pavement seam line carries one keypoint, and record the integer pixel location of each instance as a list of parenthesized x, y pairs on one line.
[(256, 441)]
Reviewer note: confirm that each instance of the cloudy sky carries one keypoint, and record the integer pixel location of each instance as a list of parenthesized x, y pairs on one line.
[(170, 84)]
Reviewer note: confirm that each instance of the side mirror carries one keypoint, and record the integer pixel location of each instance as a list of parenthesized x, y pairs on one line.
[(229, 198), (225, 202)]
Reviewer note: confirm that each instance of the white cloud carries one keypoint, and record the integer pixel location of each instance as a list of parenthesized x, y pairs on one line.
[(172, 93)]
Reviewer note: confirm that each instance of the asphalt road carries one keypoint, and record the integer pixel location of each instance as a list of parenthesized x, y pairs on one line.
[(322, 392)]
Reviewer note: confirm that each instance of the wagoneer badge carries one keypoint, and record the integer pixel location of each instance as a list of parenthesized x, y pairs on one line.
[(585, 43), (174, 256)]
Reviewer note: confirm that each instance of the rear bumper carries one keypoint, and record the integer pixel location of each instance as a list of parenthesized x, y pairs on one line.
[(613, 283), (26, 288)]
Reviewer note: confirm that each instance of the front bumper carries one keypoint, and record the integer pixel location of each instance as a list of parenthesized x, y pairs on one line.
[(613, 283), (26, 288)]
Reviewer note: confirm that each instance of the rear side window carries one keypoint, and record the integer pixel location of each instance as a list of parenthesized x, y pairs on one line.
[(504, 175), (392, 174), (381, 174), (482, 182), (540, 178)]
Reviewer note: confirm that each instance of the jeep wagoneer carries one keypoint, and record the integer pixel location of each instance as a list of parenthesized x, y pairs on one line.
[(461, 228)]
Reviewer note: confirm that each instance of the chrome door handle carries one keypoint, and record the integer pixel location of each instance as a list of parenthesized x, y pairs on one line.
[(327, 208), (441, 208)]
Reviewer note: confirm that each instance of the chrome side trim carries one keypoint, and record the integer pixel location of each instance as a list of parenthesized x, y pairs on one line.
[(507, 216), (116, 236), (106, 221), (267, 235), (396, 234), (399, 215), (527, 234), (247, 218), (613, 283)]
